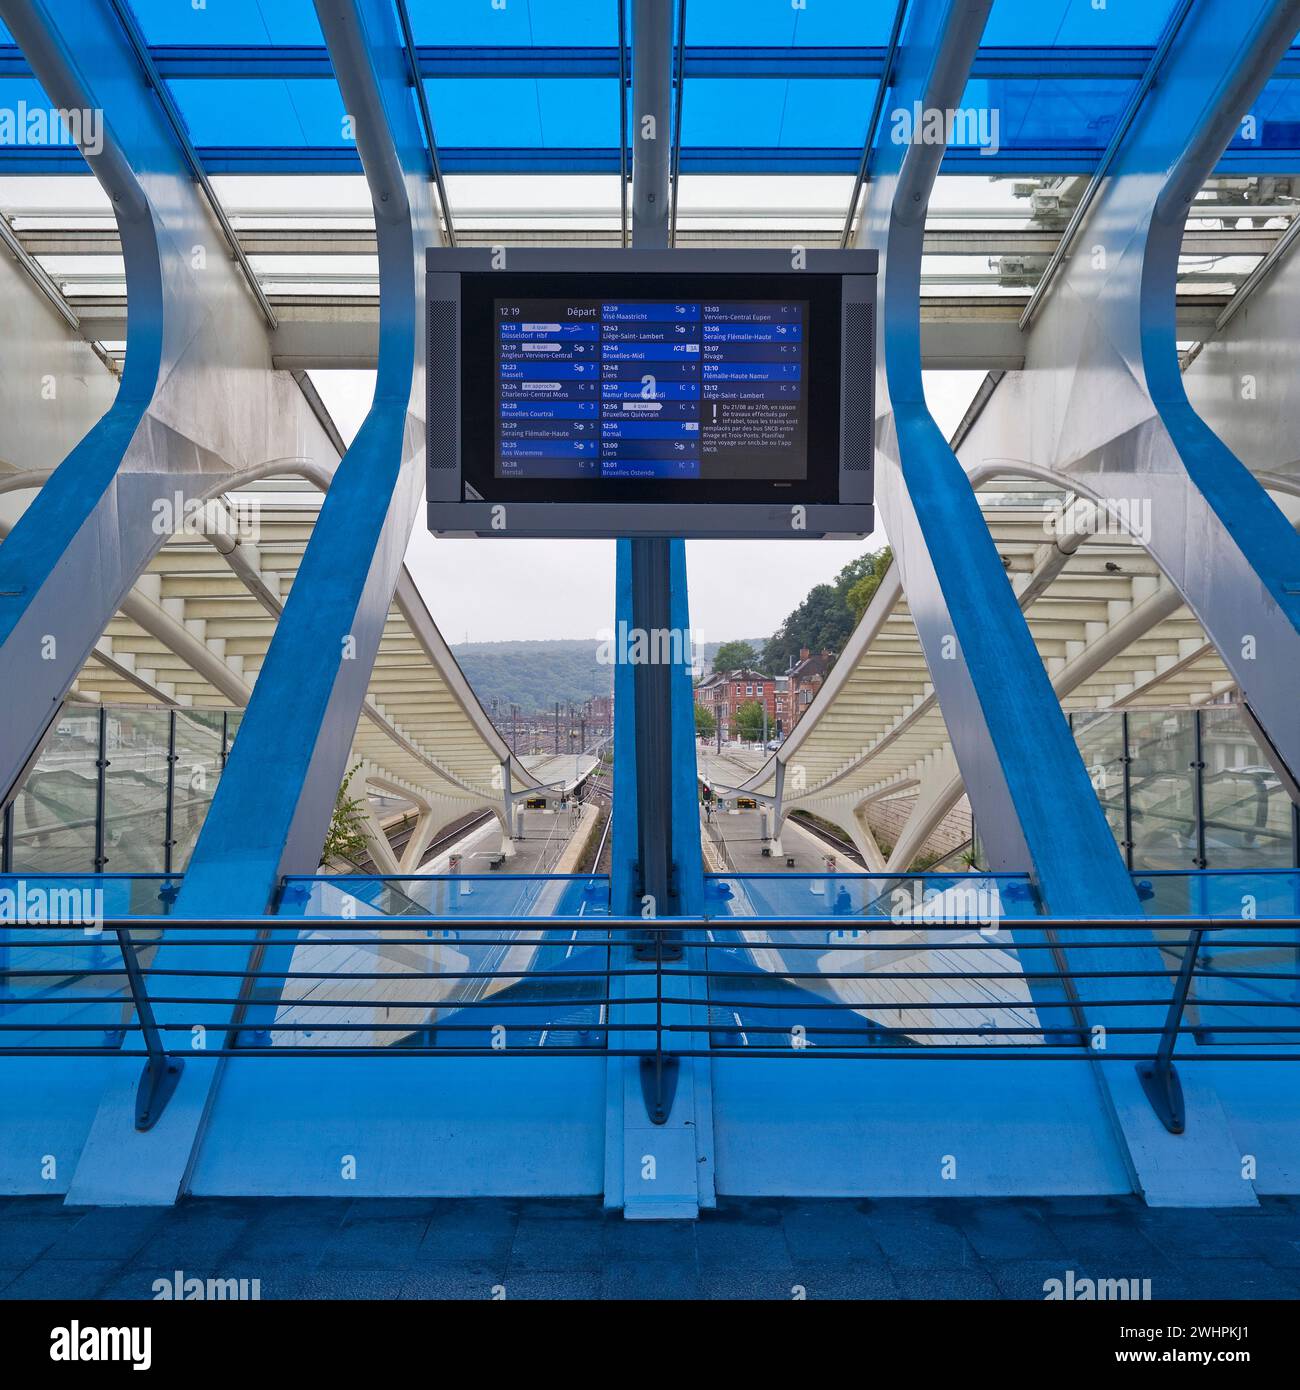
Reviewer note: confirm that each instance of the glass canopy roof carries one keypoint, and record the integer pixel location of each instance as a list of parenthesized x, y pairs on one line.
[(533, 86), (774, 109)]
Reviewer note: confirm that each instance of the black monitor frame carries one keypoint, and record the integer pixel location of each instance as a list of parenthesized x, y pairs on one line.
[(467, 497)]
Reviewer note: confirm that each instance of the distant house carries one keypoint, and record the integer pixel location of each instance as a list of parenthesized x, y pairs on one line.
[(723, 693), (805, 679), (783, 722)]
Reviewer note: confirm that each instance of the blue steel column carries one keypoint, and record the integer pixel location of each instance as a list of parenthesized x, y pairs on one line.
[(1027, 784), (655, 1170), (92, 529), (1109, 414), (1026, 781), (1223, 541), (64, 537), (272, 807)]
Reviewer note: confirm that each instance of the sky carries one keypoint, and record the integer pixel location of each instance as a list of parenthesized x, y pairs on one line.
[(502, 590)]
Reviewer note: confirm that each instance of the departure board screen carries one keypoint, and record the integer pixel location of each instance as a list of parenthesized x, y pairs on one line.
[(651, 389)]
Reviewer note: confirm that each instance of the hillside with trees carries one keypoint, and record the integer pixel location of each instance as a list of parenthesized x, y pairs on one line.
[(826, 618), (534, 675), (823, 621)]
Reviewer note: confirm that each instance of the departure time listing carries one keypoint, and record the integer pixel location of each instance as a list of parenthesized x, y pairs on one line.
[(651, 389)]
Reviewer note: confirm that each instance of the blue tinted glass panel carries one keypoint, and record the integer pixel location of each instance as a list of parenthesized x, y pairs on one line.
[(261, 113), (778, 24), (252, 22), (777, 112), (524, 112), (1273, 123), (28, 124), (1049, 114), (517, 24), (1075, 23), (457, 895)]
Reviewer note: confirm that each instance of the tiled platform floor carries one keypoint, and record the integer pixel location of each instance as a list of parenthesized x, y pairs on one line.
[(460, 1249)]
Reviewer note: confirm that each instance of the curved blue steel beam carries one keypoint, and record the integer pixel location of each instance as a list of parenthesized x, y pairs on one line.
[(73, 516), (94, 526), (1247, 549), (276, 795), (273, 806), (1102, 402), (1027, 784), (1029, 790)]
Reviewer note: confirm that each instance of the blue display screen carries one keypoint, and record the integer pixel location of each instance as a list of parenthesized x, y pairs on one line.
[(645, 389)]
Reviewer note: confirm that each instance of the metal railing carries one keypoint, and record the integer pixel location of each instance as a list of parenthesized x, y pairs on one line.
[(1189, 789), (733, 988), (105, 790)]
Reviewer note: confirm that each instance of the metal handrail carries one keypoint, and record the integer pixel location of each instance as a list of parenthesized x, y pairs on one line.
[(162, 1073), (659, 980)]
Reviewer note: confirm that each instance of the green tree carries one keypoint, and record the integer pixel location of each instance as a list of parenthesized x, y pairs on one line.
[(826, 617), (735, 656), (346, 839), (749, 720), (863, 590), (705, 724)]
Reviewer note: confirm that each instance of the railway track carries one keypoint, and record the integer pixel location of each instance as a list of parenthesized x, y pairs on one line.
[(399, 833), (399, 836), (837, 842)]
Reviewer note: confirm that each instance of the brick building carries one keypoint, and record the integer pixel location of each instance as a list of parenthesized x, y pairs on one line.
[(723, 693), (805, 679)]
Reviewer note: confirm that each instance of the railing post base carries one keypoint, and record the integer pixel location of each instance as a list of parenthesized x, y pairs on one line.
[(1165, 1092), (659, 1086), (157, 1084)]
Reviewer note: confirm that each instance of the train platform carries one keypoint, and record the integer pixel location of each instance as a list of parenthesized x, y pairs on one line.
[(737, 836)]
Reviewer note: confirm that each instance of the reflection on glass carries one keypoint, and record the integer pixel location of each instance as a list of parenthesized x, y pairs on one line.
[(135, 790), (198, 770), (54, 813), (61, 978), (903, 960), (1101, 745), (1163, 780), (1247, 810), (430, 986)]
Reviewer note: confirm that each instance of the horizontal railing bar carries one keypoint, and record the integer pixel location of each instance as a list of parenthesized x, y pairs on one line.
[(709, 943), (448, 1004), (866, 1053), (979, 1004), (885, 977), (887, 1005), (910, 976), (964, 1030), (663, 924), (984, 1005), (599, 1026), (456, 1006)]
